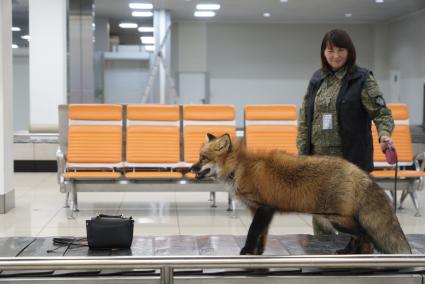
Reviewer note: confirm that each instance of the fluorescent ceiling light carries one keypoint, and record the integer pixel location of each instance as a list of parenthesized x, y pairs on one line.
[(379, 1), (348, 15), (208, 7), (147, 39), (142, 14), (204, 14), (150, 48), (283, 1), (128, 25), (27, 37), (15, 46), (266, 15), (16, 29), (147, 6), (146, 29)]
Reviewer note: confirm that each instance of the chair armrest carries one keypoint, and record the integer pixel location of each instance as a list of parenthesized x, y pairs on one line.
[(419, 162)]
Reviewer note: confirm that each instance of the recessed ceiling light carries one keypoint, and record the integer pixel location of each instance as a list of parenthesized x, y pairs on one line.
[(15, 46), (208, 7), (266, 15), (379, 1), (147, 39), (204, 14), (283, 1), (16, 29), (128, 25), (147, 6), (348, 15), (27, 37), (150, 48), (146, 29), (142, 14)]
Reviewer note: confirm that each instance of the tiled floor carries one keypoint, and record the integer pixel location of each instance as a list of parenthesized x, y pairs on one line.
[(39, 212)]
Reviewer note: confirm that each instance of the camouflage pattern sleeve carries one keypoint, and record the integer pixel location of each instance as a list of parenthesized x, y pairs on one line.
[(374, 103), (302, 130)]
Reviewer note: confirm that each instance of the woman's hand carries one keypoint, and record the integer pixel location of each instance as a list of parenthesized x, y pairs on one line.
[(383, 140)]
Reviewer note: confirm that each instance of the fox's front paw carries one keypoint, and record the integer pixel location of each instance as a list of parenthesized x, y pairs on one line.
[(344, 251), (247, 251)]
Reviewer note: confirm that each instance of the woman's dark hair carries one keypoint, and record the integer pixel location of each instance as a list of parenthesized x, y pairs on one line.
[(341, 39)]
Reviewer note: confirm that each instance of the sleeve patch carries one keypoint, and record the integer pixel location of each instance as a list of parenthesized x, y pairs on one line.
[(379, 101)]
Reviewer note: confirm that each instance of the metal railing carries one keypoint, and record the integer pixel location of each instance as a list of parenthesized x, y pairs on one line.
[(166, 265)]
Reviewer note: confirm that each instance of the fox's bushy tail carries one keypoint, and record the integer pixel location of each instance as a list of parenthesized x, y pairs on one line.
[(377, 217)]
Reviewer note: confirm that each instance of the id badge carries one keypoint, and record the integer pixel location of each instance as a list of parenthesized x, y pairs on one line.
[(327, 121)]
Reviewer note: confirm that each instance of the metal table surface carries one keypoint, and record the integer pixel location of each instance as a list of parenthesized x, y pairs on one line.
[(182, 245)]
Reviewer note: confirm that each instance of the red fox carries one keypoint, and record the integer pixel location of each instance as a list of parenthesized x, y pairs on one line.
[(330, 187)]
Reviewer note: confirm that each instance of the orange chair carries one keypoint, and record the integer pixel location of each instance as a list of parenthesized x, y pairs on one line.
[(198, 120), (153, 142), (94, 142), (403, 144), (271, 127)]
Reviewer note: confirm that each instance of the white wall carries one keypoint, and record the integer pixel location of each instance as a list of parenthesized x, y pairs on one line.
[(381, 59), (407, 54), (260, 63), (21, 88), (125, 80)]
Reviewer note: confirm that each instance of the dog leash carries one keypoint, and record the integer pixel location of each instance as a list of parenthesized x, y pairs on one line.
[(395, 186), (392, 158), (68, 243)]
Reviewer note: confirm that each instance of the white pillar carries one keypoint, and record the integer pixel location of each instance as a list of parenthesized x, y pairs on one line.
[(162, 22), (47, 52), (7, 193)]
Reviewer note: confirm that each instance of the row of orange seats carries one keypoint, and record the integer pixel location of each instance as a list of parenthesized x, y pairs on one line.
[(102, 138)]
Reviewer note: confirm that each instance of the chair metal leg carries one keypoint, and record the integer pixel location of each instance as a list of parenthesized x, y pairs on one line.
[(66, 200), (75, 200), (402, 198), (74, 207), (231, 206), (212, 194), (230, 203), (414, 197)]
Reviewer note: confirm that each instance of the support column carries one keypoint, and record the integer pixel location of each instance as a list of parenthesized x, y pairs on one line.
[(7, 193), (162, 22), (101, 45), (47, 52), (81, 67)]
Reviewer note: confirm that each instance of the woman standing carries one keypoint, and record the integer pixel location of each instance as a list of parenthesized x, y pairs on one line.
[(341, 101)]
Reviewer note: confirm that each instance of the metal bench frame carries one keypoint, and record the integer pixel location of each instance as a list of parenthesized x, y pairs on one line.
[(72, 187)]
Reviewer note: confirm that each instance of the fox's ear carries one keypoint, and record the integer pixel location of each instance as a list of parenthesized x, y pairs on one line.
[(209, 137), (224, 143)]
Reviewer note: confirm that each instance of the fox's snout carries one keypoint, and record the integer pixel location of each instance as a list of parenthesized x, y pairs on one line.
[(200, 171), (203, 173)]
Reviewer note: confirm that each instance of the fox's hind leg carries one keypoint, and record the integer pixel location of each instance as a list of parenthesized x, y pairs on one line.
[(378, 219), (257, 234), (358, 245), (359, 242)]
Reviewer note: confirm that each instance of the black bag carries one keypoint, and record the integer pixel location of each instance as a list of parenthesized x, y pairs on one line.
[(109, 232)]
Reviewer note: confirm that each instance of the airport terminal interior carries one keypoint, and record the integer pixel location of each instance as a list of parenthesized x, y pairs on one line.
[(104, 107)]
